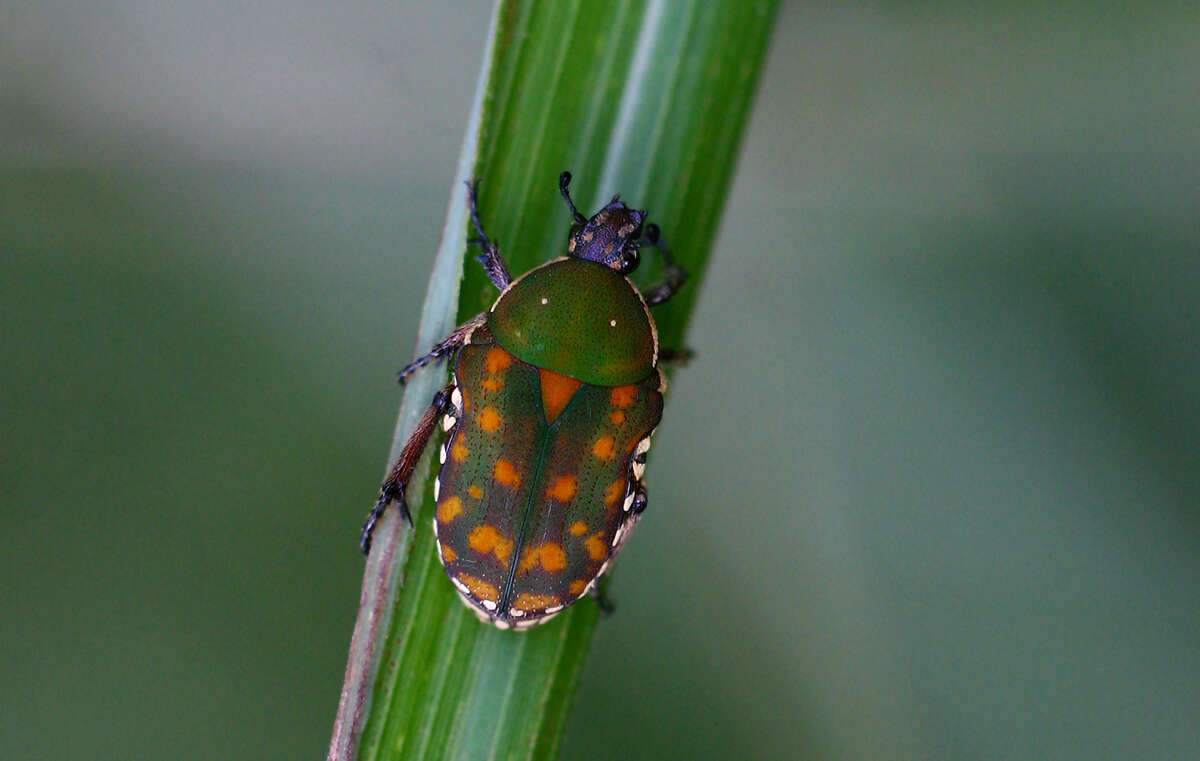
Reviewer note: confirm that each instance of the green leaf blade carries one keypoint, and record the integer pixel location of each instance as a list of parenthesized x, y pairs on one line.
[(648, 99)]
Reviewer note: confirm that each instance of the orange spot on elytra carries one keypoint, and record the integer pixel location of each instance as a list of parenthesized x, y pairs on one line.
[(617, 417), (458, 451), (449, 509), (615, 491), (506, 474), (489, 419), (578, 586), (578, 528), (563, 488), (497, 360), (484, 590), (530, 601), (557, 390), (475, 491), (550, 555), (484, 538), (493, 383), (596, 546), (448, 553), (603, 448), (623, 396)]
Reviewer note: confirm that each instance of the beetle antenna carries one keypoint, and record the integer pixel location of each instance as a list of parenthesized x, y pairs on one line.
[(564, 180)]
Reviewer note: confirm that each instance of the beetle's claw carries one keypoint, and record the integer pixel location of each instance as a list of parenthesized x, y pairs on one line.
[(404, 514)]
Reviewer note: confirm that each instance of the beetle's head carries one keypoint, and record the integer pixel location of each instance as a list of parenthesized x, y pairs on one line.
[(611, 236)]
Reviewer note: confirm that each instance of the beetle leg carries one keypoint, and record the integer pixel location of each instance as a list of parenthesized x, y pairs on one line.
[(680, 356), (448, 346), (397, 481), (639, 494), (657, 294), (674, 276), (603, 601), (491, 260)]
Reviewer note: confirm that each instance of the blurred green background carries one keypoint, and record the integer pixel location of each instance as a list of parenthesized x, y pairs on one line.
[(930, 489)]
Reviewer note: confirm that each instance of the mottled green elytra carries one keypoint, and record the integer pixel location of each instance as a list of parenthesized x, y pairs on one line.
[(556, 392)]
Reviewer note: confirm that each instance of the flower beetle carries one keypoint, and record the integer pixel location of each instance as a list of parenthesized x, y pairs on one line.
[(555, 394)]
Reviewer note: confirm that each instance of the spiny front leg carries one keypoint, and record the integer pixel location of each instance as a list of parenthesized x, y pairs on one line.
[(397, 481), (448, 346)]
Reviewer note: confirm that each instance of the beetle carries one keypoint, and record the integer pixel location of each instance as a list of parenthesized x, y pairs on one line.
[(555, 393)]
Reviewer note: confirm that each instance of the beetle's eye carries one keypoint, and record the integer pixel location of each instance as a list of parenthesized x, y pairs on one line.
[(629, 260)]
